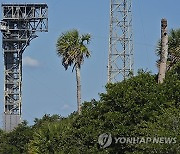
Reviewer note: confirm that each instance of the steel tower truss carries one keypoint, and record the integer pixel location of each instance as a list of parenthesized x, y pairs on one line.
[(19, 26), (120, 57)]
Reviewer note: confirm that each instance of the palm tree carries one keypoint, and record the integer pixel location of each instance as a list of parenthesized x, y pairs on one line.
[(72, 47), (173, 48)]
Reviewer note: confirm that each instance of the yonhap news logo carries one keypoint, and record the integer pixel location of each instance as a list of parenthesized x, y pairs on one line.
[(105, 140)]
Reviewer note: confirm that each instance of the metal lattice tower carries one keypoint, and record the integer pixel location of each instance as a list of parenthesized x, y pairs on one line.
[(19, 25), (120, 57)]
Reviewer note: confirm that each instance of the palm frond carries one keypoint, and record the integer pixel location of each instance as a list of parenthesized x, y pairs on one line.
[(173, 48), (72, 47)]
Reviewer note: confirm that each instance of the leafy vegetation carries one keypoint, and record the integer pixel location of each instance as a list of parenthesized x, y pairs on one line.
[(137, 107)]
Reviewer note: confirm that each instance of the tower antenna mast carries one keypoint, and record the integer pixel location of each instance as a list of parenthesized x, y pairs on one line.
[(120, 56)]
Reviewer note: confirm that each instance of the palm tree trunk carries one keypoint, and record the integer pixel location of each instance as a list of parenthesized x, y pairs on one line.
[(78, 80), (164, 52)]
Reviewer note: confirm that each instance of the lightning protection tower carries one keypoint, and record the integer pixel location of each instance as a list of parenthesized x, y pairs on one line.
[(120, 56), (19, 25)]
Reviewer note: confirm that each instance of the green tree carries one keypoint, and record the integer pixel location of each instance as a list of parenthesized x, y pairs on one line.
[(173, 48), (50, 137), (72, 47), (137, 107), (47, 118), (16, 141)]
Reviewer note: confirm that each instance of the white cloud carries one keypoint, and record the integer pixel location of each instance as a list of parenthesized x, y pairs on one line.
[(28, 61), (65, 106)]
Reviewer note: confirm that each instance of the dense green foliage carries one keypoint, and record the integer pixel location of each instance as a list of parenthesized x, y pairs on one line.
[(131, 108)]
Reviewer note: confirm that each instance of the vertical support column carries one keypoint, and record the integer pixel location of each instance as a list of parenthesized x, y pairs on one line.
[(12, 86), (120, 56), (164, 52)]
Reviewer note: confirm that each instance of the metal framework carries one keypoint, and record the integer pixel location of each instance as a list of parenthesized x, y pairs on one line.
[(19, 25), (120, 56)]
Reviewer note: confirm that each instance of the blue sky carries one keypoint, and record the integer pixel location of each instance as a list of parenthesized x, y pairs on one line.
[(47, 87)]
